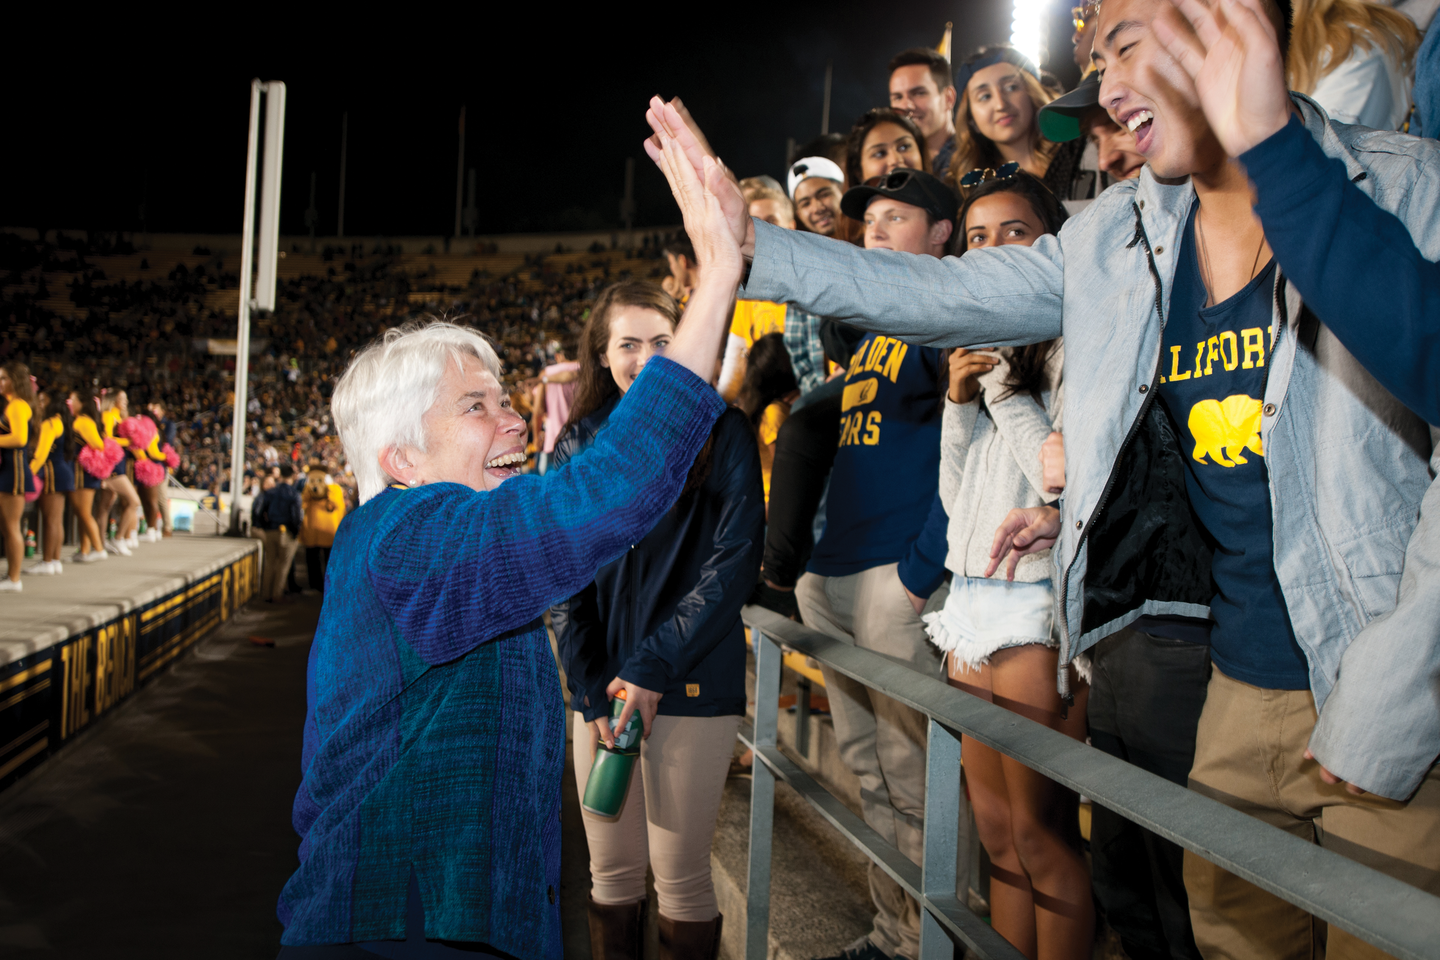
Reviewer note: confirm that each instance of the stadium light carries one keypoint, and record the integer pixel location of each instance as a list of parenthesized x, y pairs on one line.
[(1027, 29)]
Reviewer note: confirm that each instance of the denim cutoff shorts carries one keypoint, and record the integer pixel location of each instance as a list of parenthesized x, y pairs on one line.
[(983, 615)]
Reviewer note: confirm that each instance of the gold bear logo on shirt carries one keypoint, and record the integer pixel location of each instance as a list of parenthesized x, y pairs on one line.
[(1224, 429)]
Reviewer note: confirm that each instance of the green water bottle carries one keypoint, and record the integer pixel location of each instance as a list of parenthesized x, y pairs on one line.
[(29, 543), (142, 525), (610, 774)]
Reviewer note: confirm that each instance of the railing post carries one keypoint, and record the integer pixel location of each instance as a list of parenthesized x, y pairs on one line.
[(942, 827), (762, 798), (802, 717)]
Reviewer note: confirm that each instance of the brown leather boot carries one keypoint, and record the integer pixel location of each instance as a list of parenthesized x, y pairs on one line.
[(690, 939), (617, 931)]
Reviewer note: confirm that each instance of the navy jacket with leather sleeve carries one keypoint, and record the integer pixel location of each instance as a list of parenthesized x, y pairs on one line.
[(666, 615)]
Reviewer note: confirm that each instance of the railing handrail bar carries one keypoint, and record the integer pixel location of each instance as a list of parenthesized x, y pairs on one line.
[(973, 931), (1401, 919)]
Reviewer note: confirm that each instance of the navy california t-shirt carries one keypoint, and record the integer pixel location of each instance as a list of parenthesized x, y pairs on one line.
[(1212, 383)]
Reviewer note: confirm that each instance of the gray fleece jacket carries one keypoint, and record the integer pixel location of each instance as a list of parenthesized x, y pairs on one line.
[(990, 464)]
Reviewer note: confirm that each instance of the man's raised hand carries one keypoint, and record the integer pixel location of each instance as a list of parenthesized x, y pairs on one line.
[(672, 123), (1235, 61)]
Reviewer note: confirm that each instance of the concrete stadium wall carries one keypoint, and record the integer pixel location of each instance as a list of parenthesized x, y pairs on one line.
[(52, 694)]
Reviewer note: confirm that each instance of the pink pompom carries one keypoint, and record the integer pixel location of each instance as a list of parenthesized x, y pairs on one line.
[(138, 430), (171, 457), (101, 463), (32, 491), (149, 473)]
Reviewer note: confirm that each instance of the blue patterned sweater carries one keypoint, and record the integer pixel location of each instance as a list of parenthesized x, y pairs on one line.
[(434, 729)]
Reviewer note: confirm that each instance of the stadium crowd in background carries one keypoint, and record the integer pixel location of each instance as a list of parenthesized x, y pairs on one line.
[(913, 467)]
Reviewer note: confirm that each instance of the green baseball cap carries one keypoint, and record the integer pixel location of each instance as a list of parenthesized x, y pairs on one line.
[(1060, 118)]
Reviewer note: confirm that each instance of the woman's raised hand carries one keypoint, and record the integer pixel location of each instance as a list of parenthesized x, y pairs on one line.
[(681, 151), (965, 371)]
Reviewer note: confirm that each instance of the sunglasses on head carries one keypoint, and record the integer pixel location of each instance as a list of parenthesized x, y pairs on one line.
[(893, 180), (1083, 15), (985, 174)]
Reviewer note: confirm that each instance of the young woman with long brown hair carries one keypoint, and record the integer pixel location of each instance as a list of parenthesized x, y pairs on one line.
[(997, 116), (662, 626), (998, 634)]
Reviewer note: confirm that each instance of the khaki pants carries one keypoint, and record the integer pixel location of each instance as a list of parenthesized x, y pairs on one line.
[(1249, 754), (279, 554), (880, 741), (668, 821)]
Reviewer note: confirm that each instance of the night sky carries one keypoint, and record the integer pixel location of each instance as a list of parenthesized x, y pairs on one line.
[(124, 114)]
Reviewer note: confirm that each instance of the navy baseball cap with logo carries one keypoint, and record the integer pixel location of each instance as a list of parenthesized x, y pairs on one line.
[(915, 187)]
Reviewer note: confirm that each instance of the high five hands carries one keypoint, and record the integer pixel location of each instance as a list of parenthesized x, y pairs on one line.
[(1234, 59), (682, 153)]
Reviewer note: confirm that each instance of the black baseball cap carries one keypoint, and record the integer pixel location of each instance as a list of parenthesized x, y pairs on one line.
[(915, 187), (1060, 118)]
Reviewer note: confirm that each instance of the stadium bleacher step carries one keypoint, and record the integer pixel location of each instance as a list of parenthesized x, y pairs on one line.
[(819, 894)]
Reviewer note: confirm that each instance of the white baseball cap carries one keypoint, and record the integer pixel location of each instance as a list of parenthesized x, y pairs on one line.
[(807, 167)]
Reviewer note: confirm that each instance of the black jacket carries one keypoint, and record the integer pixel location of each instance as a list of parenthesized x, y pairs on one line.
[(666, 615), (280, 505)]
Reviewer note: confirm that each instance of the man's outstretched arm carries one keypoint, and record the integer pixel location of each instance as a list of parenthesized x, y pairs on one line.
[(1006, 296)]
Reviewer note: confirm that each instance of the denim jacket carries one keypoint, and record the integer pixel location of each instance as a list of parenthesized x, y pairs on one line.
[(1357, 553)]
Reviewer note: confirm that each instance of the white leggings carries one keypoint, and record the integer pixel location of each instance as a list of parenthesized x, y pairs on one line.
[(668, 821)]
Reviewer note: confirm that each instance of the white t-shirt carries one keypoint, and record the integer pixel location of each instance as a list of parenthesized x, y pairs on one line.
[(1367, 89)]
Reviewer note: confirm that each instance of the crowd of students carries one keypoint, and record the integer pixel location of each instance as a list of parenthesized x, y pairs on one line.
[(1188, 584)]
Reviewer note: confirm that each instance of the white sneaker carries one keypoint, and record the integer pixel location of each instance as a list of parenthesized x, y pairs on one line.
[(117, 547), (57, 567), (42, 569), (11, 586), (134, 542), (94, 557)]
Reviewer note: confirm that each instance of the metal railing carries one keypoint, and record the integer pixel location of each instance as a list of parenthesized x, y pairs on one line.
[(1379, 909)]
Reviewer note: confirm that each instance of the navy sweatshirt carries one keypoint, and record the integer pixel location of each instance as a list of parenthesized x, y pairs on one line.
[(1355, 264), (887, 467)]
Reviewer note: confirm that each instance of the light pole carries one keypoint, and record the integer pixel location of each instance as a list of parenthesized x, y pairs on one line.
[(264, 293)]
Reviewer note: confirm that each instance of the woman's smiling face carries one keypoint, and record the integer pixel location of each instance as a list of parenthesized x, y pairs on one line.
[(636, 335), (472, 437), (888, 146), (1000, 106)]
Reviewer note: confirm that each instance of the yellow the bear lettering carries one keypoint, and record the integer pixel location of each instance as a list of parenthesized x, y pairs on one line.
[(1224, 429)]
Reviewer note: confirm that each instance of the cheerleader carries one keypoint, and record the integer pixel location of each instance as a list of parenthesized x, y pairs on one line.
[(55, 476), (85, 429), (114, 407), (19, 395), (150, 471)]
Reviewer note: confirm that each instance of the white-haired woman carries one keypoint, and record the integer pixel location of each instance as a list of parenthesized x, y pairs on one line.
[(434, 737)]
